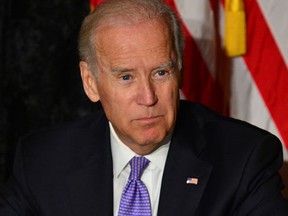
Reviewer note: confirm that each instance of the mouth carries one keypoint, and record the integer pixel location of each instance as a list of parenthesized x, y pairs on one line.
[(148, 119)]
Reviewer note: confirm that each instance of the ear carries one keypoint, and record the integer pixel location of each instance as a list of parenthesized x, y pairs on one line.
[(89, 82)]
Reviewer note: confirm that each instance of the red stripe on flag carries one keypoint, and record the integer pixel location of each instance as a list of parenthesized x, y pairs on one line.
[(198, 83), (267, 67)]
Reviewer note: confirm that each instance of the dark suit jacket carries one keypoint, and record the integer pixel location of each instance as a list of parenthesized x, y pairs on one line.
[(67, 170)]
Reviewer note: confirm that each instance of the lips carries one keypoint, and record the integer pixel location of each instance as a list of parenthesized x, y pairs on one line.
[(149, 119)]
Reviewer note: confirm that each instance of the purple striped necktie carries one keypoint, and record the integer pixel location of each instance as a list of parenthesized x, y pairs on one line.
[(135, 199)]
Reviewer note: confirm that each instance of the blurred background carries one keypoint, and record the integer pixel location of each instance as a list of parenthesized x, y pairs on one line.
[(40, 83), (39, 77)]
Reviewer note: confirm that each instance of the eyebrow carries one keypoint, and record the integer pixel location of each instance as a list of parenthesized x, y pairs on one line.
[(166, 64), (121, 70), (169, 63)]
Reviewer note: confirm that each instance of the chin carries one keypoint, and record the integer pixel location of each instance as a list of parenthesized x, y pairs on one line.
[(152, 138)]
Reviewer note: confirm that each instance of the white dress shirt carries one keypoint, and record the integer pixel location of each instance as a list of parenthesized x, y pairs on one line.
[(152, 175)]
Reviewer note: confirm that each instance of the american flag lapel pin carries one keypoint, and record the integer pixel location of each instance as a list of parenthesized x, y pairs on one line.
[(193, 181)]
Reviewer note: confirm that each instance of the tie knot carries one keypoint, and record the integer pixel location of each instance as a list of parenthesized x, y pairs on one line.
[(138, 165)]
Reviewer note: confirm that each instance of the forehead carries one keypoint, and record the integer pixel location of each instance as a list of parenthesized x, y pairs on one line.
[(148, 36)]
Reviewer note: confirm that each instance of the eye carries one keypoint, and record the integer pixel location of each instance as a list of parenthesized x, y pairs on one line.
[(126, 77), (161, 73)]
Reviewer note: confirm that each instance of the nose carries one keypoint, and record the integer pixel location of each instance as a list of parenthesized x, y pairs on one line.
[(146, 94)]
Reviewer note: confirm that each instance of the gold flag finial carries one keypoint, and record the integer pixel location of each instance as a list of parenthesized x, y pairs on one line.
[(235, 28)]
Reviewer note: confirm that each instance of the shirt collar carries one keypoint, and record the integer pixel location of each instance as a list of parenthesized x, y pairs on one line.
[(122, 154)]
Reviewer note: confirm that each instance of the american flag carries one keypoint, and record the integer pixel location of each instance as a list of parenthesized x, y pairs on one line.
[(193, 181), (252, 87)]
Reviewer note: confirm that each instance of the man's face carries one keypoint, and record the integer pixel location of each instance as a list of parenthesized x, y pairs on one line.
[(138, 83)]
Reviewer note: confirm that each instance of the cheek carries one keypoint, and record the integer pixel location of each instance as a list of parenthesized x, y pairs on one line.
[(171, 102), (169, 94), (116, 106)]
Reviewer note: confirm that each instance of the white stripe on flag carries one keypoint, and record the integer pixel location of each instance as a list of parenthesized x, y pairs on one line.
[(198, 18)]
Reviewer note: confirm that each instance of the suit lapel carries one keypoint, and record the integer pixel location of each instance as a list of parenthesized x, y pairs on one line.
[(177, 197), (91, 187)]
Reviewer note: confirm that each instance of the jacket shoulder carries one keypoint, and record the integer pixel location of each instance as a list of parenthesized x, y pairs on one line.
[(62, 144), (65, 130), (206, 117)]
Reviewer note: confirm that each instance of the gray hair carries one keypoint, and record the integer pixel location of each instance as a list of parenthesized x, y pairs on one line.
[(127, 12)]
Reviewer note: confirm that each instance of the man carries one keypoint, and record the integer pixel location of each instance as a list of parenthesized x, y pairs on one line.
[(198, 162)]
